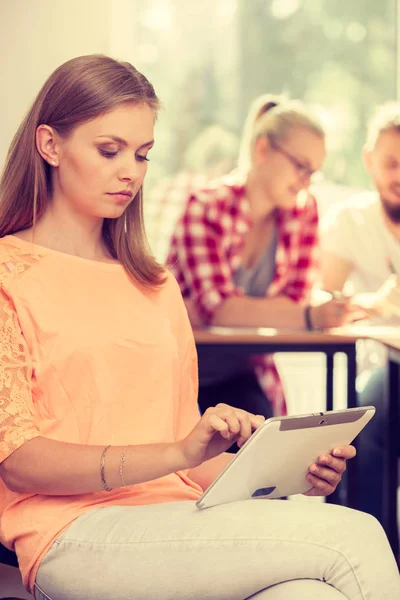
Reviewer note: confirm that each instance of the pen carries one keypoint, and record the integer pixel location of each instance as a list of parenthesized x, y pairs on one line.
[(335, 294)]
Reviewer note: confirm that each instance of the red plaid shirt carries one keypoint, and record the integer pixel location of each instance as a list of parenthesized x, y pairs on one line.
[(165, 204), (206, 248)]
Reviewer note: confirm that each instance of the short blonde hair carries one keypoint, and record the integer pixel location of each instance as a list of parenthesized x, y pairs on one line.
[(386, 118), (274, 117)]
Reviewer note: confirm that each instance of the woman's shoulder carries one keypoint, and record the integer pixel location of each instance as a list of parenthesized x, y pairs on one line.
[(222, 189), (170, 288), (220, 202), (16, 257)]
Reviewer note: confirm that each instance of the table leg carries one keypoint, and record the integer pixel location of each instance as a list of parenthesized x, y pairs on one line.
[(346, 493), (351, 473), (391, 454), (329, 381), (336, 497), (351, 354)]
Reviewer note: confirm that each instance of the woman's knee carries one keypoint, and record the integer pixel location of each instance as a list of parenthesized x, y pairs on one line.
[(366, 532)]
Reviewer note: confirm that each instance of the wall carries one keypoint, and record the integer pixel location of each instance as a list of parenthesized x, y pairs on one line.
[(35, 37)]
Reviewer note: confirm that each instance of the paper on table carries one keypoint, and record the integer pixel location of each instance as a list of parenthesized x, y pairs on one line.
[(385, 302)]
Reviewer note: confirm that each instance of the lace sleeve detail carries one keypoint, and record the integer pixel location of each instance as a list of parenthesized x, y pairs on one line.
[(17, 424)]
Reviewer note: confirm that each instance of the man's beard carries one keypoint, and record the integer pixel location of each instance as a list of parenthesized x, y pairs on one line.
[(391, 210)]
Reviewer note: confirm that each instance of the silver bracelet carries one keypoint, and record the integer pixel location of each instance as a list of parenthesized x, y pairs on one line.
[(103, 479), (121, 465)]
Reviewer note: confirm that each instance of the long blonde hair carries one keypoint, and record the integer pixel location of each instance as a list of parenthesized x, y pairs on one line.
[(79, 90), (274, 116)]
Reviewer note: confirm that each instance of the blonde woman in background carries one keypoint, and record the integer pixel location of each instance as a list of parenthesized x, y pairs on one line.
[(245, 252), (102, 450)]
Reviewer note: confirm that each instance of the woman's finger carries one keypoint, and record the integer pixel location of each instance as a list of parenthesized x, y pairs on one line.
[(325, 474), (228, 415), (245, 428), (346, 452), (233, 422), (256, 420), (320, 486), (337, 464), (216, 423)]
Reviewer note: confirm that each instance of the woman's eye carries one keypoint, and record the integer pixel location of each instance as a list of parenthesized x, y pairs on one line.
[(141, 158), (107, 153), (390, 163)]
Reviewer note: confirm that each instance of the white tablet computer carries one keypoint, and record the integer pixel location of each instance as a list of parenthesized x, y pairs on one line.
[(275, 460)]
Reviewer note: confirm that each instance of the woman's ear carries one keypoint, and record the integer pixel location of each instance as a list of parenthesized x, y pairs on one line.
[(261, 148), (46, 144)]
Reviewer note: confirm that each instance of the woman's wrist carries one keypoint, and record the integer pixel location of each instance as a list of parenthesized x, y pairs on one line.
[(175, 457), (184, 455), (130, 465)]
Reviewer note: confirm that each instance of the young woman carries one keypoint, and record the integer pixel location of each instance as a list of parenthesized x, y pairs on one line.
[(102, 450), (245, 252)]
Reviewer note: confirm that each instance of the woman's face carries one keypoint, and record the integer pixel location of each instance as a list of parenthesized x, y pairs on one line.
[(102, 164), (285, 168)]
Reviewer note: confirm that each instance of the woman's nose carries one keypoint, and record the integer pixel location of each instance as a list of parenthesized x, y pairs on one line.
[(305, 181), (130, 171)]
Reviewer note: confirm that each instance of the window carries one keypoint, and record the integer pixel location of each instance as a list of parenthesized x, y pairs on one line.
[(208, 60)]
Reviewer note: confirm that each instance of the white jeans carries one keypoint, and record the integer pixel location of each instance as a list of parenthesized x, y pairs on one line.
[(242, 550)]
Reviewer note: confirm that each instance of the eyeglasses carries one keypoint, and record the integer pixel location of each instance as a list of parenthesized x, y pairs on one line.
[(304, 172)]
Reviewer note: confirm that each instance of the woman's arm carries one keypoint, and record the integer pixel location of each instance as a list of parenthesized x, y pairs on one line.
[(44, 466), (278, 312), (208, 471), (282, 312)]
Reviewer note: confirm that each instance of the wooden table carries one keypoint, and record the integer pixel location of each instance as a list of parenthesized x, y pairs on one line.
[(267, 340)]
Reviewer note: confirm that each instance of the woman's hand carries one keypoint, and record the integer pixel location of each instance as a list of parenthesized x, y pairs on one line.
[(325, 475), (219, 427), (335, 313)]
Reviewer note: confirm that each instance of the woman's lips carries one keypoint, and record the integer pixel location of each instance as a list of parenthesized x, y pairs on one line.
[(121, 197)]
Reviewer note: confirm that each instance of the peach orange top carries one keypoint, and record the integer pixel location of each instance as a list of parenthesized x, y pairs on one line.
[(87, 357)]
